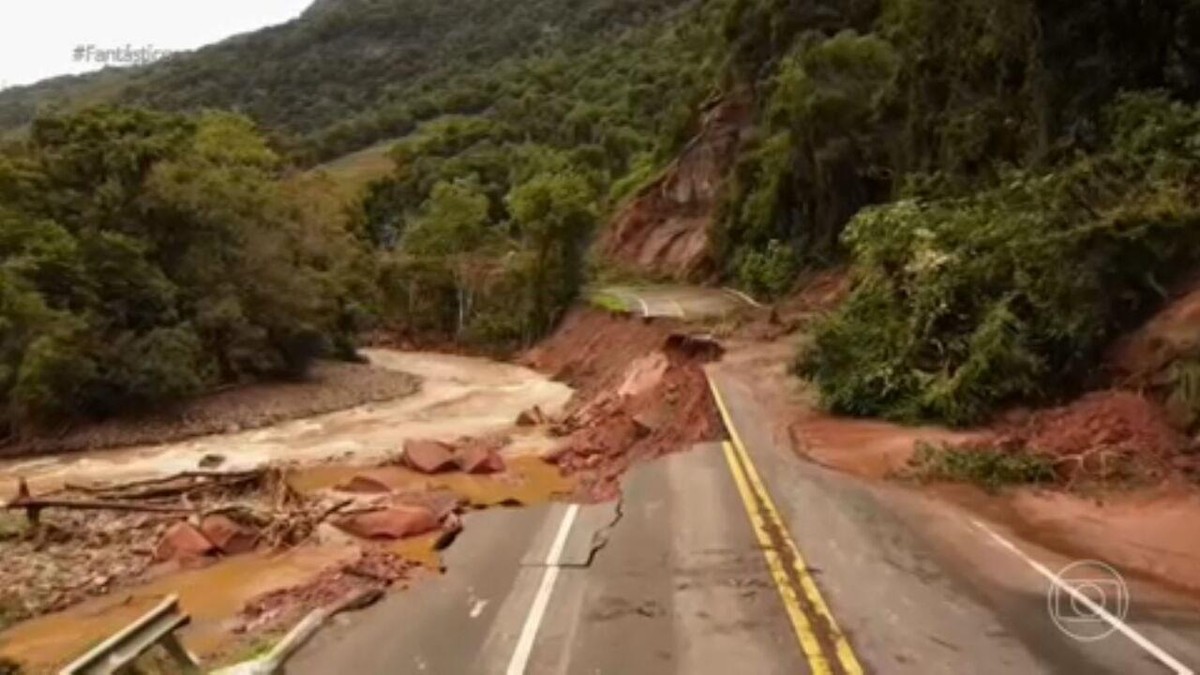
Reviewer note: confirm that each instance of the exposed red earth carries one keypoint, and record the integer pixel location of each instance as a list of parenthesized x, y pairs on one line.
[(642, 393)]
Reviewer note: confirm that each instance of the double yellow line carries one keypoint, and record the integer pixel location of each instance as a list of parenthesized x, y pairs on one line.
[(813, 623)]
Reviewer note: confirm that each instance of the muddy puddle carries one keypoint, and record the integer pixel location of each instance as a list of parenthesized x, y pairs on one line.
[(459, 397)]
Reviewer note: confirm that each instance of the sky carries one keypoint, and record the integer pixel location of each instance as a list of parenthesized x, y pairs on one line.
[(44, 38)]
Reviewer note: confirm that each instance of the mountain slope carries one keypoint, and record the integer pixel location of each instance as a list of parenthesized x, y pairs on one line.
[(349, 72)]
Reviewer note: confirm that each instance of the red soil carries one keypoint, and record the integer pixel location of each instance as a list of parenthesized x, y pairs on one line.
[(664, 230), (641, 394), (1117, 421)]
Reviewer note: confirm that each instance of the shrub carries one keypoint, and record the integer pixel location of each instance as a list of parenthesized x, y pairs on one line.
[(964, 304), (988, 468), (768, 273)]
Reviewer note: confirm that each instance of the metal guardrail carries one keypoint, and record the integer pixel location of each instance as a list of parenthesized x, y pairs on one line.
[(117, 653)]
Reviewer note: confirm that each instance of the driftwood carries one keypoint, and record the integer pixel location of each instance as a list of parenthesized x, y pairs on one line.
[(137, 495), (179, 484), (33, 506)]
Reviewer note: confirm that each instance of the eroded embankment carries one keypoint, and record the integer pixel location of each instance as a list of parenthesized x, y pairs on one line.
[(642, 393), (254, 529)]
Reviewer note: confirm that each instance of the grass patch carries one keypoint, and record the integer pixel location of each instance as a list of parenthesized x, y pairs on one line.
[(990, 469), (608, 302)]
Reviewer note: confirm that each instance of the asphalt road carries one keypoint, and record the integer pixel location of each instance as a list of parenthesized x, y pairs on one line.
[(738, 557), (678, 302)]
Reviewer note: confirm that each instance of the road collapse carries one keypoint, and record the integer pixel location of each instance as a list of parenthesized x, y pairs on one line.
[(321, 532)]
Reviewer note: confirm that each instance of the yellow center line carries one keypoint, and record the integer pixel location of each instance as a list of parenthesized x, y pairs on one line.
[(750, 485), (791, 603)]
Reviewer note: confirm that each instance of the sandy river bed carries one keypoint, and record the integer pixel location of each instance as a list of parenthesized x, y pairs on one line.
[(459, 396)]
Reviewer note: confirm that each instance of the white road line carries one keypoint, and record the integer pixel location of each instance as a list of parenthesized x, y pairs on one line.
[(1137, 638), (740, 295), (678, 308), (645, 307), (520, 657)]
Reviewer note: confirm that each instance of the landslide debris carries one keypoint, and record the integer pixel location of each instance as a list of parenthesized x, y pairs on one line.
[(87, 540), (642, 393)]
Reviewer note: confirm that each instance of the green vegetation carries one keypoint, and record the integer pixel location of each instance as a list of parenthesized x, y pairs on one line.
[(608, 302), (146, 257), (1010, 293), (484, 221), (349, 73), (1014, 182), (991, 469)]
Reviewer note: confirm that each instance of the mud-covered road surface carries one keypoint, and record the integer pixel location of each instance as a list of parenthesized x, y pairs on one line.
[(459, 396)]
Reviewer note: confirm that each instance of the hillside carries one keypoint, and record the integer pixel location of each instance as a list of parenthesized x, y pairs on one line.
[(487, 156), (350, 72)]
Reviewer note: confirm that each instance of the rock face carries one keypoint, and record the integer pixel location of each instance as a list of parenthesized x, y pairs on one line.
[(228, 536), (398, 522), (429, 457), (183, 542), (664, 230)]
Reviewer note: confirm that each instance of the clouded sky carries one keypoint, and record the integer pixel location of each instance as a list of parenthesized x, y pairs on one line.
[(40, 38)]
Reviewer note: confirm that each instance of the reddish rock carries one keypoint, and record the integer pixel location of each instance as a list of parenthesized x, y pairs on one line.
[(230, 537), (397, 522), (480, 460), (182, 541), (428, 456), (364, 485)]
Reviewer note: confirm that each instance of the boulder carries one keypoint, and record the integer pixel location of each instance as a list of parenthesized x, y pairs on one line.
[(364, 485), (182, 542), (480, 460), (428, 457), (398, 522), (230, 537)]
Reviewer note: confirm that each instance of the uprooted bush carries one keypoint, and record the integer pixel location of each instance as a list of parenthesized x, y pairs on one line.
[(965, 303)]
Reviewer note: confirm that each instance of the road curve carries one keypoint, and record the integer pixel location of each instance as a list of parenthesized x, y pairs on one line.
[(677, 579)]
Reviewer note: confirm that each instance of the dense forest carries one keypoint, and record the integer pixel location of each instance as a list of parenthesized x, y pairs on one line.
[(149, 255), (350, 72), (1012, 184)]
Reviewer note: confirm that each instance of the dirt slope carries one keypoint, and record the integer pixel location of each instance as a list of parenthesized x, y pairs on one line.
[(641, 393), (664, 230)]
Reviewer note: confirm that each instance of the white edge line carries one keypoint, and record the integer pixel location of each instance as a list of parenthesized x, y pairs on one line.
[(743, 296), (520, 657), (1137, 638), (645, 307)]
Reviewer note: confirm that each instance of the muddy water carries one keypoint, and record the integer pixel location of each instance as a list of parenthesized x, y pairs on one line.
[(459, 396), (212, 596)]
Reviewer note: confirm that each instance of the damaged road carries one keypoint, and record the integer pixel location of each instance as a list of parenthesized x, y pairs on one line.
[(667, 579)]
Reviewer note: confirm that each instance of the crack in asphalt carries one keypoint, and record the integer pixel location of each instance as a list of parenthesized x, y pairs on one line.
[(600, 538)]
